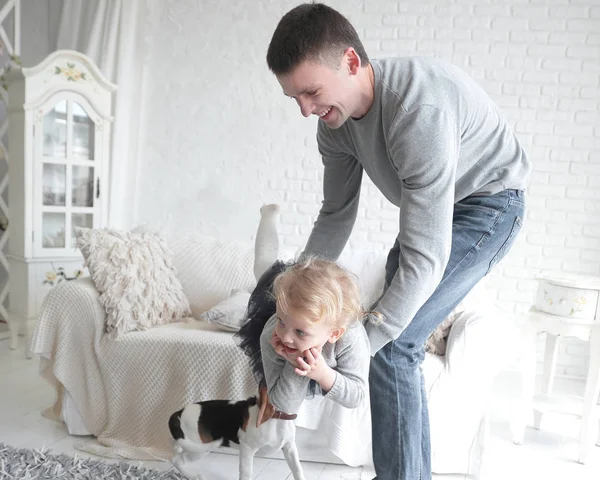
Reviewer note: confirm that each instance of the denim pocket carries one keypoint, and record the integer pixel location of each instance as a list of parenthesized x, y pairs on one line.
[(489, 205), (516, 228)]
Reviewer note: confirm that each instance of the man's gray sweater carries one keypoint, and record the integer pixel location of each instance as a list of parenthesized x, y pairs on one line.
[(431, 138)]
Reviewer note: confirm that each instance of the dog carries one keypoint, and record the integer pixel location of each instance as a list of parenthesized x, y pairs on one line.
[(437, 341), (253, 424)]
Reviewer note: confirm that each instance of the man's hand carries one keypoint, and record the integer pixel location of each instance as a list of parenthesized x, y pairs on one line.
[(313, 365)]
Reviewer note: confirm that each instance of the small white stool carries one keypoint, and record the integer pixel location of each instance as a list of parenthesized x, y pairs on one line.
[(566, 306)]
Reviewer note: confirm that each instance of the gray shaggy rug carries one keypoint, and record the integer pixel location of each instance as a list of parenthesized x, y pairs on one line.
[(23, 464)]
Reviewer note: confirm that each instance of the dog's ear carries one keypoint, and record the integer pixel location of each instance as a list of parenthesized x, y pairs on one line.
[(265, 409)]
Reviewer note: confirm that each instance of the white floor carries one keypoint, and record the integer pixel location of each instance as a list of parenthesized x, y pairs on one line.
[(550, 453)]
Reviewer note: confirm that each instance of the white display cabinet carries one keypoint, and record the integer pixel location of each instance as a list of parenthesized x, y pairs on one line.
[(59, 142)]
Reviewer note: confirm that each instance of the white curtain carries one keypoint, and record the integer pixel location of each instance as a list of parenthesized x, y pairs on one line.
[(109, 32)]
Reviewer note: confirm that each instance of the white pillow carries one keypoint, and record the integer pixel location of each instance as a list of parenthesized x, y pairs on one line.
[(209, 269), (229, 314), (135, 277)]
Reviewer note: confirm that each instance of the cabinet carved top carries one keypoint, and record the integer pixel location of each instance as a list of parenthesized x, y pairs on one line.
[(72, 72), (69, 65)]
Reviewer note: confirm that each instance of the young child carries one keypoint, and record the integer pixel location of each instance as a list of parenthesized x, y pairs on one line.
[(312, 332)]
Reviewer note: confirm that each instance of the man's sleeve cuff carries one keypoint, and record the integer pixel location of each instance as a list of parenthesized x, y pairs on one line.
[(377, 338)]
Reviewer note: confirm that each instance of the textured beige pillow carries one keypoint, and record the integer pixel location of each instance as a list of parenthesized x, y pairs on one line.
[(135, 277)]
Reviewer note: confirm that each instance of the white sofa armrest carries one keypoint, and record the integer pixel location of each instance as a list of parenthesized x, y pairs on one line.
[(460, 385), (479, 343), (74, 303), (67, 335)]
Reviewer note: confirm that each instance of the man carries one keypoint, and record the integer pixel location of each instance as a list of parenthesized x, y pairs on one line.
[(437, 147)]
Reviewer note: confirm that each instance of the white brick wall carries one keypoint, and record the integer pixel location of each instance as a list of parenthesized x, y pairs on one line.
[(220, 139)]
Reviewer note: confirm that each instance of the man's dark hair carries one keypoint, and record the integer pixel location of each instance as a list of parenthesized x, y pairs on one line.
[(314, 32)]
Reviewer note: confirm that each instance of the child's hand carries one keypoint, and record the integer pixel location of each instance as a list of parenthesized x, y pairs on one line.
[(313, 366), (277, 344), (280, 350)]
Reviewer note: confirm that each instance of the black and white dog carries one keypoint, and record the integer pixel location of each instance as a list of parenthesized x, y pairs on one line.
[(253, 424)]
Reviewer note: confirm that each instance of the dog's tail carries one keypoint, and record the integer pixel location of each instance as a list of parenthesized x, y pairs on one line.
[(175, 425), (261, 307)]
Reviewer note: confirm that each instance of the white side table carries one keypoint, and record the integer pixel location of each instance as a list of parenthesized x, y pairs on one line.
[(566, 306)]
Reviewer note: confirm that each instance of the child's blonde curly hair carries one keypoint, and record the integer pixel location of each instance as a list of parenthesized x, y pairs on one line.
[(319, 290)]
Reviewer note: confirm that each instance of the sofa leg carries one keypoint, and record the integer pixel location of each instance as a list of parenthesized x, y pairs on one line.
[(480, 469)]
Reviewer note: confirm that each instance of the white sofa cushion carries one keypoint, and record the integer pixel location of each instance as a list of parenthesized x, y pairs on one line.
[(209, 270), (229, 314), (135, 277)]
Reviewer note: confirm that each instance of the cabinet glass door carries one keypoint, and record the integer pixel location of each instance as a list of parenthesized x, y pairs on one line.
[(55, 131), (83, 133), (69, 172), (85, 220), (53, 230), (55, 184), (82, 193)]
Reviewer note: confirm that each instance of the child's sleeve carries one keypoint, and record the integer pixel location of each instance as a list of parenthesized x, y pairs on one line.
[(352, 370), (286, 390)]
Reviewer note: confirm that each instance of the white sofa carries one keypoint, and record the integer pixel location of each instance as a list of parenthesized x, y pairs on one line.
[(123, 391)]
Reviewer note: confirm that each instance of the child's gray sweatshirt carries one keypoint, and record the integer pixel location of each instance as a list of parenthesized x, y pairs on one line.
[(349, 357)]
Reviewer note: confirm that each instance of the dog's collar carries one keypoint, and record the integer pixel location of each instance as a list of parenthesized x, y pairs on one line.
[(284, 416)]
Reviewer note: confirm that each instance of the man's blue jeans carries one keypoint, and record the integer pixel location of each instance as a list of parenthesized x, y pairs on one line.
[(483, 230)]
